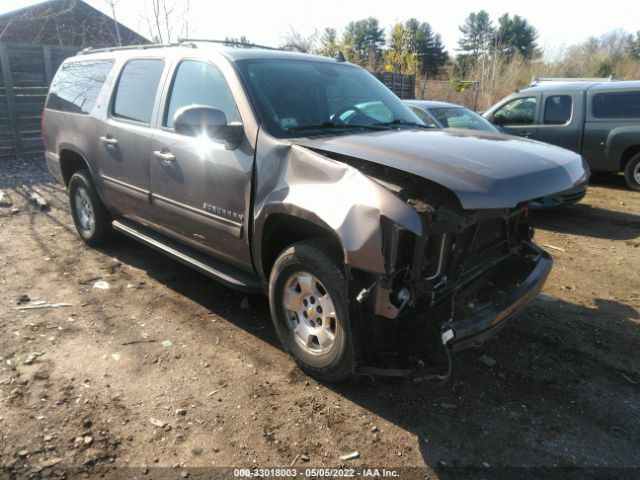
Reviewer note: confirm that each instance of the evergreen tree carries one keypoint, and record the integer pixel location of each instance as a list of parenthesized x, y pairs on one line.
[(427, 45), (516, 35), (414, 48), (633, 45), (363, 41), (236, 40), (329, 43), (477, 34)]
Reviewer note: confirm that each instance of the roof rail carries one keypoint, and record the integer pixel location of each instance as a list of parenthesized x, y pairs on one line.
[(231, 43), (538, 80), (132, 47)]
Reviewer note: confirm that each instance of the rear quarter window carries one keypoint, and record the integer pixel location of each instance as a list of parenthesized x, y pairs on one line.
[(76, 85), (616, 105)]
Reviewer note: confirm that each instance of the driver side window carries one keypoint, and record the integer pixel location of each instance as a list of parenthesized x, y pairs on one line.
[(521, 111), (199, 83)]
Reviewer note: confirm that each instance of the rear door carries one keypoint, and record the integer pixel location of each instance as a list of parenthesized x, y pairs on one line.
[(561, 120), (200, 190), (124, 139)]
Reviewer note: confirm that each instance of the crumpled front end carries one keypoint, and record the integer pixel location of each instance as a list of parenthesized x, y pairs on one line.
[(449, 288)]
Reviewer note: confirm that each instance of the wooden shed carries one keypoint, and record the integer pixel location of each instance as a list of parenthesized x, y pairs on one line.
[(33, 42)]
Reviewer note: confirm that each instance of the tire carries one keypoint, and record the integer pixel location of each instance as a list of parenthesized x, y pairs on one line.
[(308, 276), (90, 216), (632, 173)]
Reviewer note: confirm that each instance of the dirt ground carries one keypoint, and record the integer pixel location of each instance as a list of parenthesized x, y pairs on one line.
[(166, 345)]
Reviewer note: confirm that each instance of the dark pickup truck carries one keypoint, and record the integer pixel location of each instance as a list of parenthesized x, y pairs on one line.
[(600, 120)]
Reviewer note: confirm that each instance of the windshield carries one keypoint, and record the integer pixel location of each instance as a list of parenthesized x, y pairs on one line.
[(461, 118), (296, 98)]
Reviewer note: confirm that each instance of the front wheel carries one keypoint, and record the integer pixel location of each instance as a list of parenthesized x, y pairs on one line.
[(632, 173), (308, 298)]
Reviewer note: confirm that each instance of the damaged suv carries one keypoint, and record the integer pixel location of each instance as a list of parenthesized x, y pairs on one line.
[(383, 244)]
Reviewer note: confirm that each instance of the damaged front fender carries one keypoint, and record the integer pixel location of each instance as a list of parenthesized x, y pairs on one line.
[(335, 196)]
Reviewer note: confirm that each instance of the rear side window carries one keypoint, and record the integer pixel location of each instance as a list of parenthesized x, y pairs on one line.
[(136, 91), (76, 85), (616, 105), (557, 109)]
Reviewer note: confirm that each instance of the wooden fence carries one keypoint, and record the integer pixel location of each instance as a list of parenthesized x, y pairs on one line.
[(25, 74), (403, 85), (463, 93)]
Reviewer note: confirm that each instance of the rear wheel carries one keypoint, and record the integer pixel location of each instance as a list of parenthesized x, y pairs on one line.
[(308, 297), (90, 216), (632, 173)]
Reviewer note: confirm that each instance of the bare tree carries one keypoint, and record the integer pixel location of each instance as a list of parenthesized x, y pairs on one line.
[(112, 4), (298, 42), (166, 18)]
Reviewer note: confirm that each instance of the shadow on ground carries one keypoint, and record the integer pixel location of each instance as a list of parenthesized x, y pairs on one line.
[(557, 365), (585, 220), (563, 391)]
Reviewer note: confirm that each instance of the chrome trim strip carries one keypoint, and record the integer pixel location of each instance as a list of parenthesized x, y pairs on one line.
[(204, 213), (125, 185)]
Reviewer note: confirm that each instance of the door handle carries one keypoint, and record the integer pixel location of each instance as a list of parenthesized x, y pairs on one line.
[(165, 157), (108, 140), (525, 133)]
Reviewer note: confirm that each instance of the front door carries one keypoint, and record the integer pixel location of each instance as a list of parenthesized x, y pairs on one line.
[(124, 139), (200, 190), (518, 116)]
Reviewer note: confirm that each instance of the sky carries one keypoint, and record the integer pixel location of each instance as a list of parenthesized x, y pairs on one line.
[(559, 23)]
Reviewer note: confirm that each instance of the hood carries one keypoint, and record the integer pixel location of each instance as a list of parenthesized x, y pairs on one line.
[(483, 169)]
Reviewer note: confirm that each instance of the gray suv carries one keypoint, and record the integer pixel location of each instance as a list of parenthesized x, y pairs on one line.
[(383, 244), (600, 120)]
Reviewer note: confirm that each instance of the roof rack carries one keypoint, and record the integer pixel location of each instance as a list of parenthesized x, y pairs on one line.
[(538, 80), (231, 43), (182, 42), (132, 47)]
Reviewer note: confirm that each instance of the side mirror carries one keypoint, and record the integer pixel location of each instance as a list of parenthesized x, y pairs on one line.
[(498, 120), (197, 120)]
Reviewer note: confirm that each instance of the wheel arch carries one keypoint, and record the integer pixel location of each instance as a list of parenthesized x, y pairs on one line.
[(627, 155), (72, 160), (281, 230)]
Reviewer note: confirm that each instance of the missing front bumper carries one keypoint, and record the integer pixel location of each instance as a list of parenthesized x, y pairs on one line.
[(508, 289)]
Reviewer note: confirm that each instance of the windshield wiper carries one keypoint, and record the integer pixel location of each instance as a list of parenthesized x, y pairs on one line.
[(402, 123), (336, 126)]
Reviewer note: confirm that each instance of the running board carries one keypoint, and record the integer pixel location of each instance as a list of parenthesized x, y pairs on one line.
[(226, 274)]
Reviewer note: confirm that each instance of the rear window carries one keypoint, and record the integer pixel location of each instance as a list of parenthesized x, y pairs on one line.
[(76, 85), (616, 105), (557, 109), (136, 90)]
